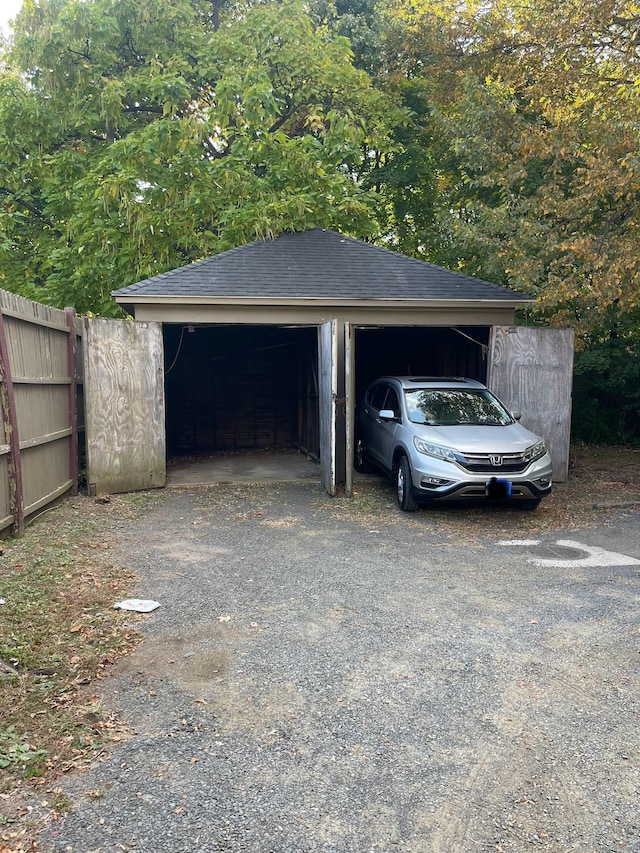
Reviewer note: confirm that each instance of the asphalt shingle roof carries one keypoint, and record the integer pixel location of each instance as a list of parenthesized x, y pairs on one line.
[(317, 264)]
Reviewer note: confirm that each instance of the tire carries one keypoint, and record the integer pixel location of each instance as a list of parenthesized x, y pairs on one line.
[(360, 460), (406, 500)]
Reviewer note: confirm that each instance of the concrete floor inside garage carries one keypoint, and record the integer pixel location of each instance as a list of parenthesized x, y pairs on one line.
[(242, 466)]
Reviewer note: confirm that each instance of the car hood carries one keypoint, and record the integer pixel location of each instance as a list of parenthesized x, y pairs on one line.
[(512, 438)]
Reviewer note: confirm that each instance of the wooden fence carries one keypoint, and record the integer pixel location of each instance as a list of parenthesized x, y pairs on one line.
[(40, 374)]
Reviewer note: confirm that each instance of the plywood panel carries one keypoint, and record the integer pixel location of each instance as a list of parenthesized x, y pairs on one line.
[(531, 370), (124, 404)]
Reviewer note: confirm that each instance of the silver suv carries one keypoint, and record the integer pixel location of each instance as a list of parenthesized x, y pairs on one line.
[(449, 438)]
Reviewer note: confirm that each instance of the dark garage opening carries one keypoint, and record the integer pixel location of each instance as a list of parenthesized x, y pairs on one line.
[(248, 387), (420, 351), (240, 387)]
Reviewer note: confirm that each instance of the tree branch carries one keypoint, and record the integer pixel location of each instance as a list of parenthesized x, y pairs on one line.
[(19, 200)]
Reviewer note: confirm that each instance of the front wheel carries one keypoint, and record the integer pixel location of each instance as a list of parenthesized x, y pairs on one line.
[(406, 500)]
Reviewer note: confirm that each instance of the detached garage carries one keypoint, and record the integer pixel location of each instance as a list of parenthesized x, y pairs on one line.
[(270, 344)]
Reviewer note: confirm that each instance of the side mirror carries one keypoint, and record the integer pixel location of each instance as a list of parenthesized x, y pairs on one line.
[(516, 415), (387, 415)]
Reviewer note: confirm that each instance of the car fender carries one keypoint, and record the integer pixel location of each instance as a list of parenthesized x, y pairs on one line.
[(399, 450)]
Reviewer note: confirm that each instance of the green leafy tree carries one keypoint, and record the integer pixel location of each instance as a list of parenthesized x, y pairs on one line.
[(404, 174), (606, 387), (535, 145), (537, 149), (361, 22), (138, 136)]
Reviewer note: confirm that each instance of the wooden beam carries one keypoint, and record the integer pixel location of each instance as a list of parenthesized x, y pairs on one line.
[(47, 499), (7, 521), (38, 321), (45, 439), (70, 315), (41, 380), (10, 420)]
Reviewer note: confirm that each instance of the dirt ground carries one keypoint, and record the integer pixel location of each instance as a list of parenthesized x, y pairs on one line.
[(333, 675)]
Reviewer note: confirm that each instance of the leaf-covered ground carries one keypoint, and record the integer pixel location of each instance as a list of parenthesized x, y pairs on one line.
[(601, 480), (59, 633)]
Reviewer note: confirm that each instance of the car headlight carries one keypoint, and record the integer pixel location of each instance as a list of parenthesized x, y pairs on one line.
[(535, 451), (436, 450)]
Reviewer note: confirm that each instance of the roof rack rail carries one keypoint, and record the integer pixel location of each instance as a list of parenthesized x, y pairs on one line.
[(438, 379)]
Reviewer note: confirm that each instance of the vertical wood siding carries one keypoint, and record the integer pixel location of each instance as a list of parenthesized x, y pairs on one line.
[(38, 443)]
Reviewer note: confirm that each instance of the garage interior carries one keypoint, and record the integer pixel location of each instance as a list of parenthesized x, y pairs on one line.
[(419, 351), (240, 393)]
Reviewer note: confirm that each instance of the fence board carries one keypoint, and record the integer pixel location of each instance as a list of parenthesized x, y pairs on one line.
[(37, 352), (38, 455), (124, 405), (45, 471), (32, 312)]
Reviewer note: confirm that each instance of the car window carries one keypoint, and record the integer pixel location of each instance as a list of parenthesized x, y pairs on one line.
[(392, 402), (377, 396), (451, 406)]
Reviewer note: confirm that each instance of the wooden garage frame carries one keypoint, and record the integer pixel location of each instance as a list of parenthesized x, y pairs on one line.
[(340, 287)]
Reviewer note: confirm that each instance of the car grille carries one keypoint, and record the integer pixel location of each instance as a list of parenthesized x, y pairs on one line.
[(480, 463)]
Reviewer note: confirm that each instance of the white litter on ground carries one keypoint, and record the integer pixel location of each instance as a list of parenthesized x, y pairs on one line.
[(139, 605)]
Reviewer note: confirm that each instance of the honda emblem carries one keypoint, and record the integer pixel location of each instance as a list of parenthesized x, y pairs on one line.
[(496, 461)]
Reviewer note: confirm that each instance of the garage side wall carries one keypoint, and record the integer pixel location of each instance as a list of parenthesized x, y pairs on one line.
[(124, 406)]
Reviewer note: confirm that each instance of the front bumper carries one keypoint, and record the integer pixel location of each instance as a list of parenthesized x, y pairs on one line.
[(444, 481)]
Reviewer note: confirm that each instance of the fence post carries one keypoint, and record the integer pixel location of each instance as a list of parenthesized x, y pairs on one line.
[(10, 419), (70, 316)]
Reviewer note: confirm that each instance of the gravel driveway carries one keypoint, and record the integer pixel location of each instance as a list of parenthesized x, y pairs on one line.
[(321, 681)]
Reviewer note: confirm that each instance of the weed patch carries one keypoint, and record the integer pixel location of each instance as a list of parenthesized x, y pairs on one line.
[(59, 633)]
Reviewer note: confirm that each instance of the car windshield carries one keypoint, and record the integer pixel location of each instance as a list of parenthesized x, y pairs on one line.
[(450, 406)]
